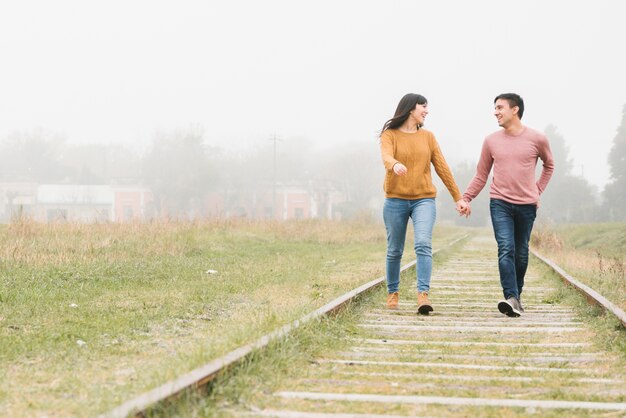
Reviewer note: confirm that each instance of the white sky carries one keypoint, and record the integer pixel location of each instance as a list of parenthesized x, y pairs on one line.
[(329, 70)]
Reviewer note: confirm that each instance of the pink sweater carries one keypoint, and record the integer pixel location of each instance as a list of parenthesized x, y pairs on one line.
[(514, 159)]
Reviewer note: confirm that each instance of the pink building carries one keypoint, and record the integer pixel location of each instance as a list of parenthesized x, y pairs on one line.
[(132, 203)]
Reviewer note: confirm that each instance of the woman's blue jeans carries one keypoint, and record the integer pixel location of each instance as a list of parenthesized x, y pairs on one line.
[(512, 225), (396, 213)]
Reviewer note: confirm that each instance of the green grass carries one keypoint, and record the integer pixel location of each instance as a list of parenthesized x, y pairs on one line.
[(595, 254), (93, 315)]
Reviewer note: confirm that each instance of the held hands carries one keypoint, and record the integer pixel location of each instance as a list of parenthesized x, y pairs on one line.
[(463, 208), (399, 169)]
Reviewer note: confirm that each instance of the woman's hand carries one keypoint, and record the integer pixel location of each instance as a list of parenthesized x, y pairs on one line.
[(463, 208), (399, 169)]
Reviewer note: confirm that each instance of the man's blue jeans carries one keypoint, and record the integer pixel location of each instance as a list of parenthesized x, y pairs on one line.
[(512, 225), (396, 213)]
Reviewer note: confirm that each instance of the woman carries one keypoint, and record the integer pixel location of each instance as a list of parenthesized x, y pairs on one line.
[(408, 151)]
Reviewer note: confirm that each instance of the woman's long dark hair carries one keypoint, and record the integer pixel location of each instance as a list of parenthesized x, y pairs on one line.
[(407, 103)]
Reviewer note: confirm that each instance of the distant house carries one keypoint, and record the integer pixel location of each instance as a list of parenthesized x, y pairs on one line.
[(285, 201), (75, 202), (70, 202)]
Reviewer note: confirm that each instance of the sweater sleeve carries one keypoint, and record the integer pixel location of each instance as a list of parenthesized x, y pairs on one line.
[(386, 150), (482, 174), (548, 164), (443, 170)]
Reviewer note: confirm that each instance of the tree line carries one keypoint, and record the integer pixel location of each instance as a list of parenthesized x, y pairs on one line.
[(182, 167)]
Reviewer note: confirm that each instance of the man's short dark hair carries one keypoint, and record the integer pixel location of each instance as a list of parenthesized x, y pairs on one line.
[(514, 100)]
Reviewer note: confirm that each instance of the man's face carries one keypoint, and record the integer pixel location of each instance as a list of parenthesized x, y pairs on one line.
[(504, 113)]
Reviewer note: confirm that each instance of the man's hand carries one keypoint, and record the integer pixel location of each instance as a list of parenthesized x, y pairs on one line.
[(463, 208)]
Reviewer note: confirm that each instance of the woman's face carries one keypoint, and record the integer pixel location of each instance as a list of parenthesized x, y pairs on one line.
[(419, 113)]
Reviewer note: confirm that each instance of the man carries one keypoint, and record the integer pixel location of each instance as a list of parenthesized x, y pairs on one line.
[(514, 192)]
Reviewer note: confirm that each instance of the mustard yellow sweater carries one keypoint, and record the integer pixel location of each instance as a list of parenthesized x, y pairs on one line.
[(416, 151)]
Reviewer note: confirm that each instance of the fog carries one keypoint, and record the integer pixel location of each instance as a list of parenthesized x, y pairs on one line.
[(321, 77)]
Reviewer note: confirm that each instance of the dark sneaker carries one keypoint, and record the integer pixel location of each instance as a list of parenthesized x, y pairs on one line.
[(519, 304), (509, 307)]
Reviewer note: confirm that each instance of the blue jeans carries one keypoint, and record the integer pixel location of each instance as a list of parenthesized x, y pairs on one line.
[(512, 225), (396, 213)]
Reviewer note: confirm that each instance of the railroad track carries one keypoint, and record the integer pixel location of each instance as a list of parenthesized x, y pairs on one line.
[(465, 359)]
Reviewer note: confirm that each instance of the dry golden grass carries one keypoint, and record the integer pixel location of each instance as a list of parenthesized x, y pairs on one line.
[(592, 254), (58, 243)]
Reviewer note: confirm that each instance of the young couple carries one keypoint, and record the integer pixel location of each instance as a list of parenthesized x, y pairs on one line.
[(408, 150)]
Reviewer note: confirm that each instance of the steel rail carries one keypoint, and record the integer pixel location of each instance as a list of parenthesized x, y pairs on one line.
[(591, 295), (202, 375)]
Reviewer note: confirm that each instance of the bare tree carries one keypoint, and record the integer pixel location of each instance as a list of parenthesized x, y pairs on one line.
[(179, 171)]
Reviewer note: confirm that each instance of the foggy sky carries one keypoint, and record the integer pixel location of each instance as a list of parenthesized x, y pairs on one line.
[(330, 71)]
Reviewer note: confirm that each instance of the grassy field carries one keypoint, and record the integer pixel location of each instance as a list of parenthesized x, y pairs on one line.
[(92, 315), (595, 254)]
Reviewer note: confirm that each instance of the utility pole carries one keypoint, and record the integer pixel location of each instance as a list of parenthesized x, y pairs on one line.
[(275, 140)]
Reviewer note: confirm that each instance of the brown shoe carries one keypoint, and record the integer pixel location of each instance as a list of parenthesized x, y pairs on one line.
[(423, 304), (392, 300)]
